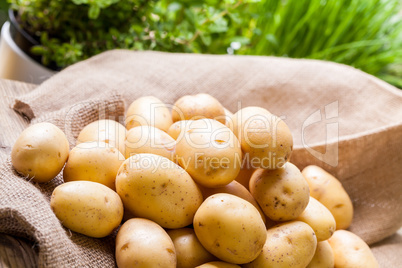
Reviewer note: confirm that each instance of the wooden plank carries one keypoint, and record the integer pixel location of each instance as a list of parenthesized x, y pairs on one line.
[(16, 252), (11, 123)]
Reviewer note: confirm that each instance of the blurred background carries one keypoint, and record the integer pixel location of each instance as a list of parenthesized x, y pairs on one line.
[(366, 34), (3, 11)]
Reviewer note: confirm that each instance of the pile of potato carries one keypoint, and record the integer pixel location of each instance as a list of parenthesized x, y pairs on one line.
[(195, 186)]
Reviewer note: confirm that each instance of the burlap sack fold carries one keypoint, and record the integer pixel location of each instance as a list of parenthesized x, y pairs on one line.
[(342, 119), (24, 205)]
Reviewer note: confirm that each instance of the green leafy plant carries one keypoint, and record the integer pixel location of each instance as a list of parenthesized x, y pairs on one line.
[(362, 33), (3, 11), (73, 30)]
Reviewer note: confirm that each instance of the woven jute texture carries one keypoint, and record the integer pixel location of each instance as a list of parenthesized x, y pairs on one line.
[(346, 121)]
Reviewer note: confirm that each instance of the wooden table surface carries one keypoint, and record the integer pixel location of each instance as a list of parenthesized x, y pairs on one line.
[(17, 252)]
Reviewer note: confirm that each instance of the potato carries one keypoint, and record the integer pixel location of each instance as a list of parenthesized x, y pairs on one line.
[(244, 176), (218, 264), (228, 118), (329, 191), (105, 130), (153, 187), (323, 256), (210, 153), (236, 189), (351, 251), (282, 194), (290, 244), (147, 139), (87, 207), (230, 228), (143, 243), (192, 107), (319, 218), (40, 152), (93, 161), (148, 111), (189, 251), (264, 137), (177, 129)]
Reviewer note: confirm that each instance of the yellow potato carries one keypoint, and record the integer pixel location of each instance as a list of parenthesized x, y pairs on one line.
[(177, 129), (351, 251), (218, 264), (189, 251), (127, 215), (105, 130), (323, 256), (228, 118), (319, 218), (236, 189), (210, 153), (143, 243), (282, 193), (87, 207), (192, 107), (40, 152), (244, 176), (148, 111), (264, 137), (147, 139), (329, 191), (93, 161), (153, 187), (230, 228), (288, 245)]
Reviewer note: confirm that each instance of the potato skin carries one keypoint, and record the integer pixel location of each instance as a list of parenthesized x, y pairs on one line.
[(230, 228), (244, 176), (148, 111), (104, 130), (282, 194), (351, 251), (143, 243), (93, 161), (218, 264), (176, 130), (323, 256), (210, 153), (288, 245), (236, 189), (153, 187), (329, 191), (193, 107), (319, 218), (189, 251), (264, 137), (147, 139), (87, 207), (228, 118), (40, 152)]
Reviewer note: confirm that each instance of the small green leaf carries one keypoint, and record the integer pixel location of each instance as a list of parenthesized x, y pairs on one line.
[(38, 50), (206, 39), (173, 7), (93, 12), (218, 26)]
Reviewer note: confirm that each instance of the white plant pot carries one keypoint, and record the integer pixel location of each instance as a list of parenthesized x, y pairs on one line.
[(16, 65)]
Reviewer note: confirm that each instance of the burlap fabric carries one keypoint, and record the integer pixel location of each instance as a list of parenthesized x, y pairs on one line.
[(342, 119)]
